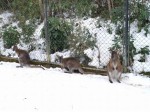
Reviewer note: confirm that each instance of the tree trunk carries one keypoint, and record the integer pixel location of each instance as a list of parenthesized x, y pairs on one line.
[(109, 8), (112, 4), (41, 5)]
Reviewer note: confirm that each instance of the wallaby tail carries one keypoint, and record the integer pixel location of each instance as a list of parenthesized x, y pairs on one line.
[(34, 66)]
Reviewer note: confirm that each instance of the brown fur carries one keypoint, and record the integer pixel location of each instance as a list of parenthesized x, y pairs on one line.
[(114, 67), (71, 64), (24, 58)]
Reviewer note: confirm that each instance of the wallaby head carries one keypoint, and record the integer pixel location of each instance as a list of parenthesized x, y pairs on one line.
[(15, 48), (114, 55), (60, 58), (114, 67), (71, 64)]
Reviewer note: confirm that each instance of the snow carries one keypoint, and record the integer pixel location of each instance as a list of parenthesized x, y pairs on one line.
[(51, 90), (4, 18)]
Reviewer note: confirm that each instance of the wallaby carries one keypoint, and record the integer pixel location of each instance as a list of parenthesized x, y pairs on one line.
[(71, 64), (114, 67), (24, 58)]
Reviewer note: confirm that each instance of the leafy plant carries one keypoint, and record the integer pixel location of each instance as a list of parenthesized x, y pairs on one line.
[(144, 51), (132, 50), (80, 41), (25, 10), (119, 30), (147, 30), (117, 43), (72, 8), (118, 38), (58, 32), (117, 14), (5, 4), (10, 37), (140, 12), (27, 31), (109, 30)]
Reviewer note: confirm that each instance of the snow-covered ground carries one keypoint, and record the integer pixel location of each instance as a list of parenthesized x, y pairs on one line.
[(51, 90)]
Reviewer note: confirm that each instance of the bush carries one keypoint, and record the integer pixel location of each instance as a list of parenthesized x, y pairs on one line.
[(117, 45), (27, 31), (58, 32), (117, 14), (140, 11), (81, 41), (144, 51), (25, 10), (10, 37), (71, 8), (5, 4)]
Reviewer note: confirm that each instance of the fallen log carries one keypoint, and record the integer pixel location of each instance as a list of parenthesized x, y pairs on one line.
[(88, 70)]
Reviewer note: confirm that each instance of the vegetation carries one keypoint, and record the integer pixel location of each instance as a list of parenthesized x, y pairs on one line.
[(25, 10), (10, 37), (141, 12), (27, 31), (146, 73), (144, 51), (81, 41), (58, 32)]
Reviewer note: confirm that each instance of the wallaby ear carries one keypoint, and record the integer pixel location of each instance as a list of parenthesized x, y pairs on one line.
[(59, 58), (14, 47)]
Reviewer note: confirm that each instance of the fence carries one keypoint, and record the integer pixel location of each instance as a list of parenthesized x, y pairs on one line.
[(81, 30)]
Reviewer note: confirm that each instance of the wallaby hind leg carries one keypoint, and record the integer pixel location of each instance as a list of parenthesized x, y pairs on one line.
[(81, 70), (118, 81), (119, 77), (109, 76), (70, 70), (19, 66)]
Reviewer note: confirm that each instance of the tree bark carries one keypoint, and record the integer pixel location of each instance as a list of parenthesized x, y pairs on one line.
[(112, 4), (41, 5), (109, 8)]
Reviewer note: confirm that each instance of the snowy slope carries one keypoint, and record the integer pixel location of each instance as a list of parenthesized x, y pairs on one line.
[(51, 90), (104, 42)]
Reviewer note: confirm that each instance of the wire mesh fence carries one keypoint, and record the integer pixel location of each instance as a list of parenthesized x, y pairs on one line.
[(86, 30), (139, 37)]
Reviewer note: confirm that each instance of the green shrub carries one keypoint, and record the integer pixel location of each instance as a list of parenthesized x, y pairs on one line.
[(118, 38), (141, 12), (144, 51), (71, 7), (147, 30), (117, 14), (109, 30), (58, 32), (10, 37), (25, 10), (5, 4), (81, 41), (117, 45), (27, 32)]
